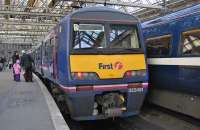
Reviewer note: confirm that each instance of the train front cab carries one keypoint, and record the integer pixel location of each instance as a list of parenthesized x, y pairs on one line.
[(107, 67)]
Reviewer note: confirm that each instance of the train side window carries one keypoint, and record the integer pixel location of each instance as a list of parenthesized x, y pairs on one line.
[(158, 46), (45, 48), (191, 42), (49, 50)]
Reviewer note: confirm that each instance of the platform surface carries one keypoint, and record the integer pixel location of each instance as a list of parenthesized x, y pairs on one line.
[(23, 105)]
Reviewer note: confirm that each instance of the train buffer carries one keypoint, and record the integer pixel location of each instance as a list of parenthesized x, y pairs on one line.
[(27, 106)]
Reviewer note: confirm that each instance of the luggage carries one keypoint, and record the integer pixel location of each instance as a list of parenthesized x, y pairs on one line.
[(28, 76)]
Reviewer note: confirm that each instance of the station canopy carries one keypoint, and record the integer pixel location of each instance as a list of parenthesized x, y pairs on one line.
[(28, 21)]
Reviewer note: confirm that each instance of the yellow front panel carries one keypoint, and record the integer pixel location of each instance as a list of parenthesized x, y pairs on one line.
[(107, 66)]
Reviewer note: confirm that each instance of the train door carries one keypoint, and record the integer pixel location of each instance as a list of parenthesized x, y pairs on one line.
[(54, 56)]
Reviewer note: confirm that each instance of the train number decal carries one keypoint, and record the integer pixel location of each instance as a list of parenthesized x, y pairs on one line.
[(133, 90)]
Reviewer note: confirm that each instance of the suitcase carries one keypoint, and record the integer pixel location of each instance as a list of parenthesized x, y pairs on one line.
[(28, 76)]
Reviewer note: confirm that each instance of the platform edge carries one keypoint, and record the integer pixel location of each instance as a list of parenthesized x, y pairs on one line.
[(56, 116)]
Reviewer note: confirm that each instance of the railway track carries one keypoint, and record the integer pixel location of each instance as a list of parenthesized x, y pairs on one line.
[(151, 117)]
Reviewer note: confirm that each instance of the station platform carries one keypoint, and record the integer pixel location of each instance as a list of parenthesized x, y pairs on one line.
[(27, 106)]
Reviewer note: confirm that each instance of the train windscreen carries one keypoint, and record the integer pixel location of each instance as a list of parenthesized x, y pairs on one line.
[(114, 36)]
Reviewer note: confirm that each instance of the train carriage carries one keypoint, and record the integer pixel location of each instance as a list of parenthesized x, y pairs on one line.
[(95, 58), (173, 50)]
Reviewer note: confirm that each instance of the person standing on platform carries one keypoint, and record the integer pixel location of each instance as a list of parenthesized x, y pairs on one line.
[(4, 62), (10, 64), (1, 63), (15, 57), (17, 71), (27, 65)]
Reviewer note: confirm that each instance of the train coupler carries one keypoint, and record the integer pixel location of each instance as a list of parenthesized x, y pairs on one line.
[(111, 104)]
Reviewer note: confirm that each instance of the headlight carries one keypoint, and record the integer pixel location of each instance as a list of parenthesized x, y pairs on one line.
[(84, 76), (135, 73)]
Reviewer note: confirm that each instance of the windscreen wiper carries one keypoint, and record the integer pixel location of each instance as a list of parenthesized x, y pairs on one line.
[(131, 49)]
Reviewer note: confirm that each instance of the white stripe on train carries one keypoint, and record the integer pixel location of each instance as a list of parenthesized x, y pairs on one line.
[(184, 61)]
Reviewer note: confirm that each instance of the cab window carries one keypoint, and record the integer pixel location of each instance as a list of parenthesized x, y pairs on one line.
[(158, 46), (191, 42), (89, 36), (123, 36)]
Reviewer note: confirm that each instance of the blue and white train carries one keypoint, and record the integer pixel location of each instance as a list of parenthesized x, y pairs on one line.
[(95, 63), (173, 49)]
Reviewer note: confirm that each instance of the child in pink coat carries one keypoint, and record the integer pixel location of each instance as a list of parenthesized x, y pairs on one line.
[(17, 71)]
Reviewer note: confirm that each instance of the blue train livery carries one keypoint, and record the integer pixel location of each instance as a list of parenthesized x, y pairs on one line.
[(95, 63), (173, 51)]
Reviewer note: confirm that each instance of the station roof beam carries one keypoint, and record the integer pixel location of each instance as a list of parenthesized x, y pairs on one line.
[(27, 23), (30, 3), (6, 10), (53, 3), (7, 3), (120, 3)]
